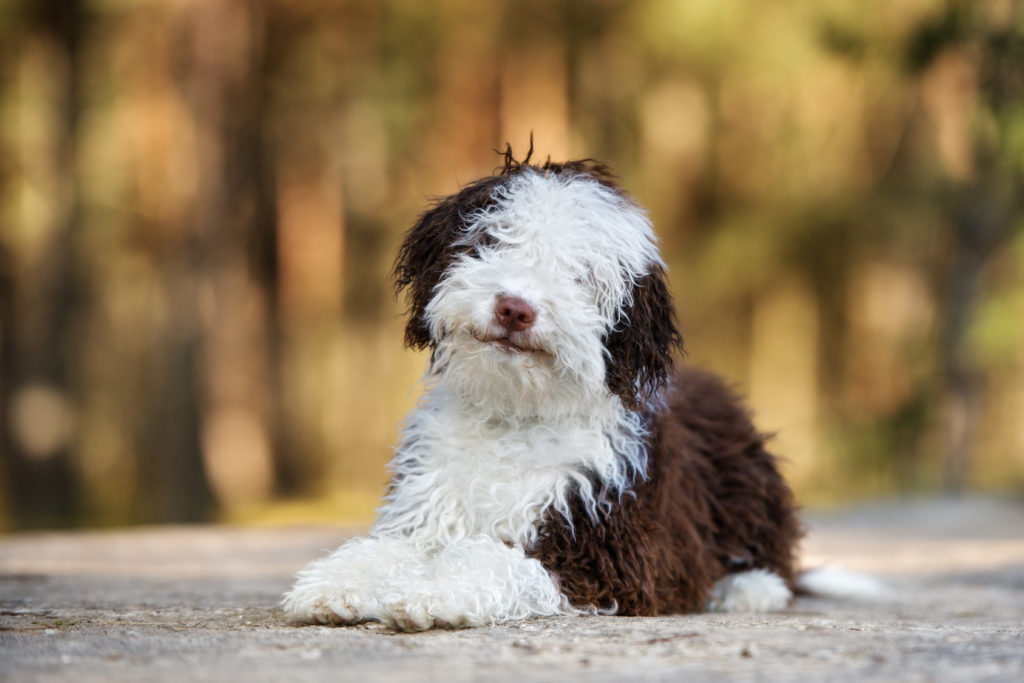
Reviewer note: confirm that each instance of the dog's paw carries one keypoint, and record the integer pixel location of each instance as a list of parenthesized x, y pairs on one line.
[(404, 614), (319, 604)]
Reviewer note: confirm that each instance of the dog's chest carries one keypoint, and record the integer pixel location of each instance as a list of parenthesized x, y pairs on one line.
[(458, 476)]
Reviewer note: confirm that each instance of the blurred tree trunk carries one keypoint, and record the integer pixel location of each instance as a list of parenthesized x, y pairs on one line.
[(960, 376), (211, 435), (981, 226), (39, 300), (235, 231), (172, 484), (986, 214)]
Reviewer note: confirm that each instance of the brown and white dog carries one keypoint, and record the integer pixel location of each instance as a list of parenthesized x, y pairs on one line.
[(556, 464)]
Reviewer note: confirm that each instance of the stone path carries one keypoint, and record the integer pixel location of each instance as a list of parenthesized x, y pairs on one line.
[(181, 604)]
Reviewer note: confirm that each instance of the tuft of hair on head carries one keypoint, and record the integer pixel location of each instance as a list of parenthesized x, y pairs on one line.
[(513, 165), (595, 169)]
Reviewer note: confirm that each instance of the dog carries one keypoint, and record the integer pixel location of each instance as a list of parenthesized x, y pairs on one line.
[(557, 463)]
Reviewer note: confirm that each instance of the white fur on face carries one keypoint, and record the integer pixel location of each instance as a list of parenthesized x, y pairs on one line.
[(571, 248)]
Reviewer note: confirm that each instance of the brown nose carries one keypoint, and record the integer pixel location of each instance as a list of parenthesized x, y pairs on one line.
[(514, 314)]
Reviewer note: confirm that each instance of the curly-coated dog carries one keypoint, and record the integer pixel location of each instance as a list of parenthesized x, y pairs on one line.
[(556, 463)]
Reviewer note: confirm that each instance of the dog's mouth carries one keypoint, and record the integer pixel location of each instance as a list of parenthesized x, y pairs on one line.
[(507, 343)]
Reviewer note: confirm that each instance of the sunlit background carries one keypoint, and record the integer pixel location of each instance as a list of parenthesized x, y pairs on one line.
[(200, 201)]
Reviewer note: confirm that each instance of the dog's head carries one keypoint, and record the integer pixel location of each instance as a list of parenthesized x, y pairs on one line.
[(539, 288)]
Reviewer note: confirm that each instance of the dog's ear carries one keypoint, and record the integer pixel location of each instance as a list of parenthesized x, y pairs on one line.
[(430, 247), (641, 345)]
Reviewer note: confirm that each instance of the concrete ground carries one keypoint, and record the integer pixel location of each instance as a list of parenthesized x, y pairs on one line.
[(180, 604)]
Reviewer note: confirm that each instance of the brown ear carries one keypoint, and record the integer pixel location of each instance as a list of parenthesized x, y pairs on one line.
[(430, 247), (641, 345)]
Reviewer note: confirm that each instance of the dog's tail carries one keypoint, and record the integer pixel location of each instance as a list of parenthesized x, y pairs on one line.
[(842, 584)]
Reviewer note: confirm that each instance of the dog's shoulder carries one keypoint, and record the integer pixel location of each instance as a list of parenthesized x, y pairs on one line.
[(702, 403)]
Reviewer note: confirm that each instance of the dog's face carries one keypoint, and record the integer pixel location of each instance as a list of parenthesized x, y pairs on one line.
[(538, 290)]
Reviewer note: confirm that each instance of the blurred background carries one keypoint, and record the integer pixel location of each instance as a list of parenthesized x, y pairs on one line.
[(200, 201)]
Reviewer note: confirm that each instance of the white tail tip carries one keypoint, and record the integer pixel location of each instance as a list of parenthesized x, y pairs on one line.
[(840, 584)]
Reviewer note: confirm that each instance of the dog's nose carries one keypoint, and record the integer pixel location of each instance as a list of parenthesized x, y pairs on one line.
[(514, 314)]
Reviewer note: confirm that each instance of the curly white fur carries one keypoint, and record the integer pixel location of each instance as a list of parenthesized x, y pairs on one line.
[(463, 471), (470, 582), (757, 590)]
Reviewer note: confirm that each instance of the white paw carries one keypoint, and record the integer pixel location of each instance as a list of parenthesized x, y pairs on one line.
[(757, 590), (404, 614), (345, 607), (347, 586), (322, 604)]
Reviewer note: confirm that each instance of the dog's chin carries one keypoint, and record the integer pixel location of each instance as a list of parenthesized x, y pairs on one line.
[(509, 344)]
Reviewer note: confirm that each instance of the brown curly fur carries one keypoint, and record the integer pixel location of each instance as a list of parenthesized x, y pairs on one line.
[(712, 503)]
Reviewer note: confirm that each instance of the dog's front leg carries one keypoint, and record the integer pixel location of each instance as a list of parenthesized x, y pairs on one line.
[(467, 582), (351, 584), (479, 581)]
